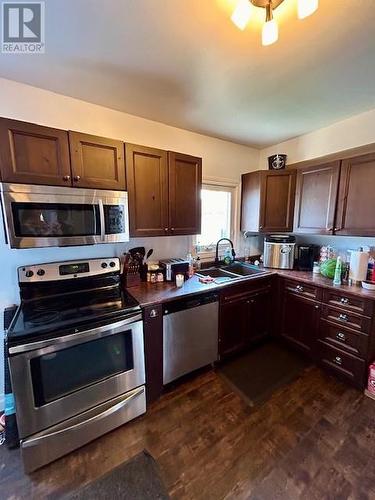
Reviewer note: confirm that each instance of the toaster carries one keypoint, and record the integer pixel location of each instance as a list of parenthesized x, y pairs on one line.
[(171, 267)]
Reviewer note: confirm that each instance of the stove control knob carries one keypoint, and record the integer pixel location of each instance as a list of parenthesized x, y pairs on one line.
[(29, 274), (40, 272), (104, 265), (112, 264)]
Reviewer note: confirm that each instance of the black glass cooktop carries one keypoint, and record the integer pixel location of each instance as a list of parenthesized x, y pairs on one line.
[(69, 313)]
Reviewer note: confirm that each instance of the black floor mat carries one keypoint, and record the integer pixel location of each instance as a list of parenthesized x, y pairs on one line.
[(259, 372), (137, 479)]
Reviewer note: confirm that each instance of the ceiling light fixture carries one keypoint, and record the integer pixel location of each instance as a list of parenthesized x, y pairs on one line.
[(270, 32)]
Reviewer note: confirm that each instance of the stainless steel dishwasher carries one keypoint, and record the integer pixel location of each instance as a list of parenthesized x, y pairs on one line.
[(190, 335)]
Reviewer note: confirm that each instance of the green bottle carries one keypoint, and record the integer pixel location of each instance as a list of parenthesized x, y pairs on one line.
[(337, 278)]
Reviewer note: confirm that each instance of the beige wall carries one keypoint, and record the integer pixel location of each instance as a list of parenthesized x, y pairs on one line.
[(348, 134)]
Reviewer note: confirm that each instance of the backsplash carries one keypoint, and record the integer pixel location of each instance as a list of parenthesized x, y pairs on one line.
[(340, 243)]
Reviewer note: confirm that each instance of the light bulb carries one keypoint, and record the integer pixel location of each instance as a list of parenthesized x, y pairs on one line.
[(307, 7), (270, 32), (242, 13)]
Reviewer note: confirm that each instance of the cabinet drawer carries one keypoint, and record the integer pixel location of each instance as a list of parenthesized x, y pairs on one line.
[(350, 320), (342, 338), (341, 363), (303, 289), (349, 302)]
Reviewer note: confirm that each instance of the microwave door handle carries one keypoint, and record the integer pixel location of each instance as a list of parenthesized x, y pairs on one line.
[(102, 220)]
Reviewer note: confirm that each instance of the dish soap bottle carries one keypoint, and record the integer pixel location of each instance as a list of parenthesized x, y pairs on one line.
[(337, 278), (228, 258)]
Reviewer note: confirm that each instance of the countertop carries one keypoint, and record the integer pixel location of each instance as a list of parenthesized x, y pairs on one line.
[(148, 294)]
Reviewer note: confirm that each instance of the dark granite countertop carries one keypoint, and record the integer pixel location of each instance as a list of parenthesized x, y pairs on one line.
[(154, 293)]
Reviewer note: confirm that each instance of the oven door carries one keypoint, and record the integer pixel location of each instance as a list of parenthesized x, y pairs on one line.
[(56, 379)]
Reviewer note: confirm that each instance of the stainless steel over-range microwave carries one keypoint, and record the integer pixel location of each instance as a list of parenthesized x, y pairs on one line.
[(51, 216)]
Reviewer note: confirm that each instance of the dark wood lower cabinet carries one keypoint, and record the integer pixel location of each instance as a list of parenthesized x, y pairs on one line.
[(299, 321), (336, 338), (153, 345), (245, 318), (233, 327)]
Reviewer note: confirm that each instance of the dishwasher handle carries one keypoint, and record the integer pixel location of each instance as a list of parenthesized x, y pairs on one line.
[(189, 303)]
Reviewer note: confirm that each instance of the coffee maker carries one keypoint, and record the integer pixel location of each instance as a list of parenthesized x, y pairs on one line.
[(306, 256)]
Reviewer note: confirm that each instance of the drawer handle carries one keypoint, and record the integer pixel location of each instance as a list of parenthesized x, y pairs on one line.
[(153, 313), (343, 317), (344, 300), (341, 336), (338, 360), (299, 288)]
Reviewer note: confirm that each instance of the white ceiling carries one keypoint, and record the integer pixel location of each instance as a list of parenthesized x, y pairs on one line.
[(182, 62)]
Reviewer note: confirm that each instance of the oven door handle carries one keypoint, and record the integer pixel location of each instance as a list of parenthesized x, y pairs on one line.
[(102, 220), (81, 425)]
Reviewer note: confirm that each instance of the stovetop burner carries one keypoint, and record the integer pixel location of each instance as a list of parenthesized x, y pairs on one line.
[(40, 316)]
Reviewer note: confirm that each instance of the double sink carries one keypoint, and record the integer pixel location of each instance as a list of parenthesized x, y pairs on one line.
[(234, 271)]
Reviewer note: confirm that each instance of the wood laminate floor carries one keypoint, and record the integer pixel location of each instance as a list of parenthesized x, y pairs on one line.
[(313, 439)]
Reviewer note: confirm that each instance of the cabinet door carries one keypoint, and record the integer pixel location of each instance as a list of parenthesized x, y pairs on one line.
[(32, 154), (300, 321), (356, 205), (259, 316), (153, 340), (233, 324), (316, 195), (277, 201), (185, 184), (147, 175), (97, 162)]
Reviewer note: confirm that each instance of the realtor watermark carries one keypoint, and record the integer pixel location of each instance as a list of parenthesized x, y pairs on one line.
[(22, 28)]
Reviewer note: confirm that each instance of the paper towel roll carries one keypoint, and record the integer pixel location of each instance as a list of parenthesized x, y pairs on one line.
[(358, 265)]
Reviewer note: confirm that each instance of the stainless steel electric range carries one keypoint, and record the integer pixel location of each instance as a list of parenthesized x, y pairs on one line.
[(76, 357)]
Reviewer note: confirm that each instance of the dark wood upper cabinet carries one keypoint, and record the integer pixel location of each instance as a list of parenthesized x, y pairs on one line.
[(147, 177), (316, 195), (97, 162), (33, 154), (267, 202), (185, 184), (164, 192), (356, 200)]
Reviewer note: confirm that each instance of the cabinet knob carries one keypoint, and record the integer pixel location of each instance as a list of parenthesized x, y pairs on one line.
[(77, 178), (338, 360), (172, 228), (153, 313), (341, 336), (66, 178), (260, 227), (344, 300), (317, 307), (343, 317), (165, 229)]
